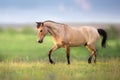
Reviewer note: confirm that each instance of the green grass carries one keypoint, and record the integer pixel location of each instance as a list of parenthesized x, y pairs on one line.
[(109, 70), (22, 58)]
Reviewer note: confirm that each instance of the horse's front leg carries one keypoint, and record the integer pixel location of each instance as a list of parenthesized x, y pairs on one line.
[(55, 47), (68, 53)]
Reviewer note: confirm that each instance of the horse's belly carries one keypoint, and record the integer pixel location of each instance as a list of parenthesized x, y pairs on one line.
[(77, 43)]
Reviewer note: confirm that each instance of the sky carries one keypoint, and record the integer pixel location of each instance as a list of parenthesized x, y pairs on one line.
[(30, 11)]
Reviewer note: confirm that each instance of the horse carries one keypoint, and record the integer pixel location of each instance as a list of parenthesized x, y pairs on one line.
[(66, 36)]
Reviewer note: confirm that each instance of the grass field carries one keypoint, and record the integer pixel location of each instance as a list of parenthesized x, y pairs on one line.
[(78, 70), (22, 58)]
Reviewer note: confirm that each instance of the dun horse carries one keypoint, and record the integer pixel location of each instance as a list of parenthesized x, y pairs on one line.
[(66, 36)]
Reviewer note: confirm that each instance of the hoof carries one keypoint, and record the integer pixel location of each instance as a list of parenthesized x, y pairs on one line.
[(94, 61), (68, 62), (89, 61), (52, 62)]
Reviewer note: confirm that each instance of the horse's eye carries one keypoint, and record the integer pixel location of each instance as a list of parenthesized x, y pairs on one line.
[(40, 30)]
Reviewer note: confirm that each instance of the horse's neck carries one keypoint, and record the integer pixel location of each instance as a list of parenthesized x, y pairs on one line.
[(52, 28)]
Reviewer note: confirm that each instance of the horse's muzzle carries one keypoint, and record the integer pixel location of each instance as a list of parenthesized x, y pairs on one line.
[(40, 41)]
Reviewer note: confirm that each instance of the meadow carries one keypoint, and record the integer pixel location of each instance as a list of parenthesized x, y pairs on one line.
[(22, 58)]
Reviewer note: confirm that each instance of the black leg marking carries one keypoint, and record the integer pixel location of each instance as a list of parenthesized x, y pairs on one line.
[(68, 58), (68, 53), (89, 59), (50, 60), (49, 55), (55, 47)]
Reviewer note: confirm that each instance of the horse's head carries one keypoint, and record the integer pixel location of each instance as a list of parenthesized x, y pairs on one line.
[(41, 31)]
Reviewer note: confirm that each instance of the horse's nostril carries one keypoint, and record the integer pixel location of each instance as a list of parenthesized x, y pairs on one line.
[(40, 41)]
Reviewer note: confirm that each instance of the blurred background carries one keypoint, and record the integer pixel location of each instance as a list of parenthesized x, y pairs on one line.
[(30, 11), (18, 28)]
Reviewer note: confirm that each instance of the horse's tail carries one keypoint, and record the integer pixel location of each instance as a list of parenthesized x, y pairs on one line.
[(104, 35)]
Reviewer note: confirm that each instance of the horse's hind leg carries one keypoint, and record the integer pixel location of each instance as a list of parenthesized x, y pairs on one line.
[(93, 53), (89, 59), (55, 47), (94, 56)]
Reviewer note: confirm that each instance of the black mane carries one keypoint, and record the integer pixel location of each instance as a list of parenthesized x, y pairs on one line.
[(53, 22)]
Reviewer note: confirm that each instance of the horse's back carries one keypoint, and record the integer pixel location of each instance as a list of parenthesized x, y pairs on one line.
[(76, 36)]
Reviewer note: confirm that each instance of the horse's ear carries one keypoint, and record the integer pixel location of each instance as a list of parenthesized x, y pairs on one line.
[(42, 24), (38, 22)]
